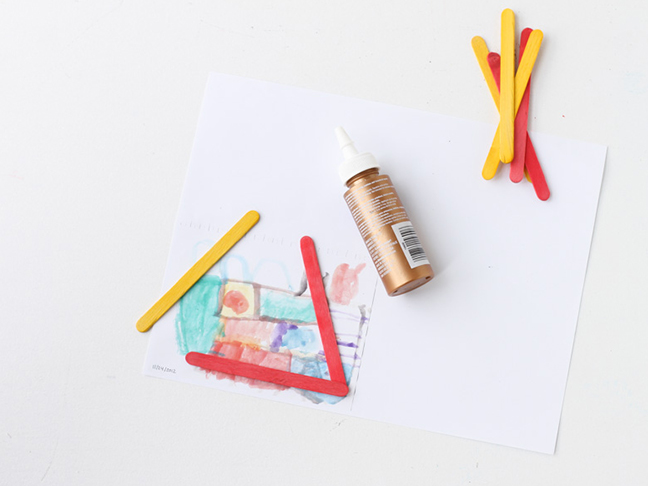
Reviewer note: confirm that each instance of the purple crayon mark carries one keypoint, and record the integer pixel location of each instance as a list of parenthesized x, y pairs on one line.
[(278, 333)]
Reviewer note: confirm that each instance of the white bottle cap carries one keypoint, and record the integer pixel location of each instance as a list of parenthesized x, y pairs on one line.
[(354, 163)]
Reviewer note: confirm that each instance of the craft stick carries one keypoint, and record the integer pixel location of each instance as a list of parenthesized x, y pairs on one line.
[(517, 164), (324, 322), (541, 189), (527, 61), (481, 52), (256, 372), (521, 80), (197, 270), (535, 171), (507, 91), (493, 61)]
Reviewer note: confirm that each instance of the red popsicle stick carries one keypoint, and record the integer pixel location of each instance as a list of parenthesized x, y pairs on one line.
[(535, 172), (336, 386), (517, 164), (324, 322), (256, 372), (494, 62)]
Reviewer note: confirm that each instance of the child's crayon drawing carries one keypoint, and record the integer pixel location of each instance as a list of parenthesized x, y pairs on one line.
[(249, 321)]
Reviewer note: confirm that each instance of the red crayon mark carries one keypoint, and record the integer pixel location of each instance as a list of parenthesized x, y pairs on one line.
[(344, 285), (252, 332), (236, 301), (258, 369), (237, 352)]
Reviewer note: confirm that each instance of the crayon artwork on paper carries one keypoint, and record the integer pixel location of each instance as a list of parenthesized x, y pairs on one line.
[(260, 311)]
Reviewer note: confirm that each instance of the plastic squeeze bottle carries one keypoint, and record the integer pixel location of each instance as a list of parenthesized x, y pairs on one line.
[(382, 221)]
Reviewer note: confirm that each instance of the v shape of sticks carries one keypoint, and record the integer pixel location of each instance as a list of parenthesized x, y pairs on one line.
[(335, 386)]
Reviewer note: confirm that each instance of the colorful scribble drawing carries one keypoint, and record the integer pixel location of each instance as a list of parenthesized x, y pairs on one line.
[(272, 327)]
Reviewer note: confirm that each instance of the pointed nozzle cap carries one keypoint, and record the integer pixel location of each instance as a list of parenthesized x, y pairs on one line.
[(354, 162), (346, 144)]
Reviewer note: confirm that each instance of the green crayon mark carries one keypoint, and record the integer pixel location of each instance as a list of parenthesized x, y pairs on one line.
[(197, 323), (286, 306)]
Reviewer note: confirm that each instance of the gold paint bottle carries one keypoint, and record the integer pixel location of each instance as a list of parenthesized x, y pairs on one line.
[(382, 221)]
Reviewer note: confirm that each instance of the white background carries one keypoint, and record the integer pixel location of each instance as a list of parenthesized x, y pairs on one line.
[(98, 106)]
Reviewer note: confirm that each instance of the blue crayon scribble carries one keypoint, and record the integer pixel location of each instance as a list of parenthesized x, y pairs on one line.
[(302, 339), (318, 369)]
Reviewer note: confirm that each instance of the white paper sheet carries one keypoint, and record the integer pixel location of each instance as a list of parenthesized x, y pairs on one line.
[(483, 350)]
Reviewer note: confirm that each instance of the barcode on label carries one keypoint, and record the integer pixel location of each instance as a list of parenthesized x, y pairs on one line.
[(410, 244)]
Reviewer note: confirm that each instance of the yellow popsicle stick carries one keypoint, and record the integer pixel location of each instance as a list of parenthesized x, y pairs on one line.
[(201, 267), (493, 158), (507, 87), (481, 52), (521, 80)]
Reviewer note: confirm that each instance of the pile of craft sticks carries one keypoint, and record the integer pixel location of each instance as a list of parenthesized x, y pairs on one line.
[(510, 91)]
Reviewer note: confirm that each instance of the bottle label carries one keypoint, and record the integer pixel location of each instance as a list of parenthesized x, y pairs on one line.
[(409, 242), (378, 212)]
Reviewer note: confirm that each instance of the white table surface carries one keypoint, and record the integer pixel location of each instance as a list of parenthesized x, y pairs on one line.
[(98, 105)]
